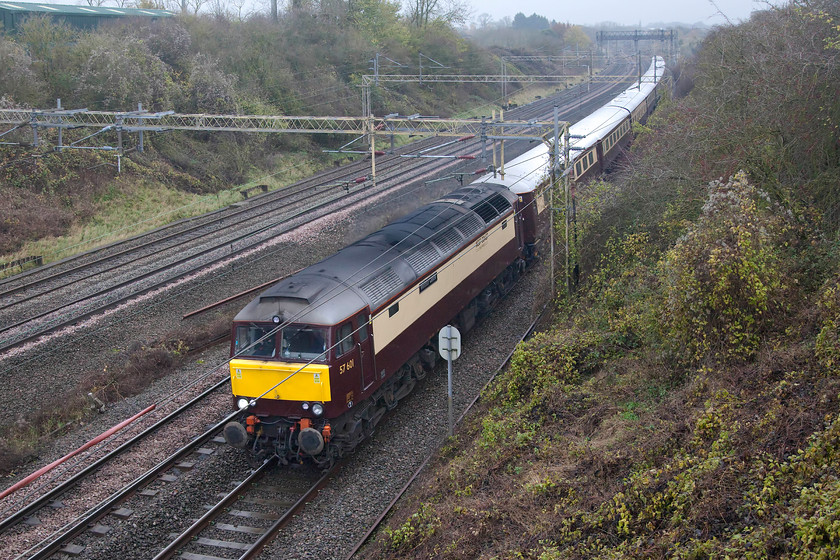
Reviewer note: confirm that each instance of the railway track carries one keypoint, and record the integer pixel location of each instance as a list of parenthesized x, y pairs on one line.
[(63, 512), (270, 501), (51, 298)]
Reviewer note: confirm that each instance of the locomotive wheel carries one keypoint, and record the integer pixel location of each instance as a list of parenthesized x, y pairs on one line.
[(405, 389)]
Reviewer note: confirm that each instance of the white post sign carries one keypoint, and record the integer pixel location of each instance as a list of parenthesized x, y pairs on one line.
[(449, 346)]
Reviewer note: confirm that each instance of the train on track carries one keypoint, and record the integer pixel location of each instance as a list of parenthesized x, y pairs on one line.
[(321, 356)]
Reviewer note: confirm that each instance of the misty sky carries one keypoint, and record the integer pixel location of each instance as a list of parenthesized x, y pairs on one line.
[(624, 12), (581, 12)]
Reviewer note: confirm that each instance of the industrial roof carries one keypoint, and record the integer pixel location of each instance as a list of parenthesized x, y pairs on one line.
[(62, 9)]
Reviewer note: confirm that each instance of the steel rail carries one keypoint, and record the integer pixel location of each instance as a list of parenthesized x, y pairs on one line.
[(214, 512), (361, 542), (78, 526), (272, 531), (65, 486)]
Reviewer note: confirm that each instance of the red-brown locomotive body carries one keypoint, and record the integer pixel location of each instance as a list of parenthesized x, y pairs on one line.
[(320, 356)]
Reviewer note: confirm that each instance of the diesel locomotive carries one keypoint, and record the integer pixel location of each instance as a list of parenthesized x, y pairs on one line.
[(318, 358)]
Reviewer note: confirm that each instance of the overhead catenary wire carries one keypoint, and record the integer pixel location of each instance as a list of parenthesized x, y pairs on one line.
[(227, 361), (341, 289)]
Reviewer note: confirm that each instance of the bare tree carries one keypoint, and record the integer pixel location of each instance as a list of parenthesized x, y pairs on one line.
[(218, 8), (423, 12), (484, 20), (185, 6), (146, 4)]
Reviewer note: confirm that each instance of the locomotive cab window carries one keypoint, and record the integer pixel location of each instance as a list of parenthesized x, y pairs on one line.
[(255, 341), (345, 339), (362, 321), (304, 343)]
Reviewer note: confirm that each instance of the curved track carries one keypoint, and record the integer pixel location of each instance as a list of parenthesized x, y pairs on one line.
[(201, 238), (50, 298)]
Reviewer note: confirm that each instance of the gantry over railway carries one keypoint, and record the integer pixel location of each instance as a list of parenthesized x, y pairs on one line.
[(553, 133)]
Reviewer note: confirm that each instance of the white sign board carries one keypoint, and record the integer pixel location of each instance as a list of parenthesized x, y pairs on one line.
[(449, 343)]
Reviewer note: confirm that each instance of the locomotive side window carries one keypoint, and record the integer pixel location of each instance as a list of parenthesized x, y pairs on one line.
[(429, 281), (362, 321), (255, 341), (345, 339), (305, 343)]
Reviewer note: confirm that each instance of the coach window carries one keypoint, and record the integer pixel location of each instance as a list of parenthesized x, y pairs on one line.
[(362, 321)]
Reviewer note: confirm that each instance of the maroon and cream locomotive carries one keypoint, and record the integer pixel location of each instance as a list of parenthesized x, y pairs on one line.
[(320, 357)]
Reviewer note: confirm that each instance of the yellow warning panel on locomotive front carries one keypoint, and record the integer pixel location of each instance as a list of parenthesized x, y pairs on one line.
[(280, 380)]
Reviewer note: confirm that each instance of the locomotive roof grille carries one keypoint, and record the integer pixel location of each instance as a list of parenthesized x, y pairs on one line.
[(423, 258), (500, 203), (469, 226), (379, 288), (486, 211), (491, 208), (447, 241)]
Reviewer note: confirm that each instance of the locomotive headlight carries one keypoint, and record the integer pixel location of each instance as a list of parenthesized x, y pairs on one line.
[(242, 404), (276, 319), (317, 409), (305, 406)]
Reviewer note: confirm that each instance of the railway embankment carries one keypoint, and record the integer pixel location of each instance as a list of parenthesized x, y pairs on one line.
[(685, 402)]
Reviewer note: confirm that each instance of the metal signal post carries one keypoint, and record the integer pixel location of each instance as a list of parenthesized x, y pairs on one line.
[(449, 346)]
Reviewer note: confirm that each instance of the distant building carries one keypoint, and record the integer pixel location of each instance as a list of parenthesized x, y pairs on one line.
[(12, 14)]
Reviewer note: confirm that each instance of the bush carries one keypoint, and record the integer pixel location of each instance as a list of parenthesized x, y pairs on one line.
[(540, 364), (119, 74), (18, 82), (827, 347), (209, 89), (726, 278)]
